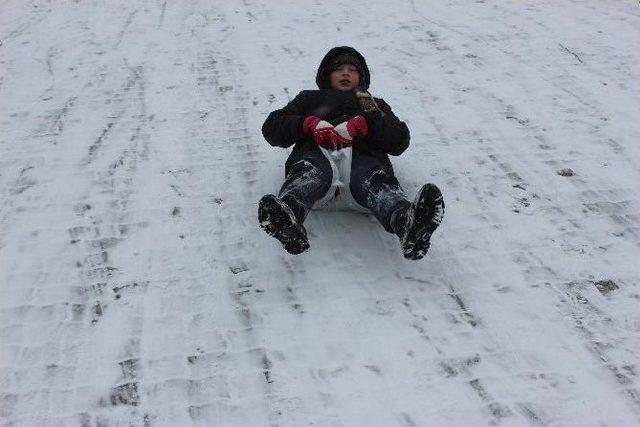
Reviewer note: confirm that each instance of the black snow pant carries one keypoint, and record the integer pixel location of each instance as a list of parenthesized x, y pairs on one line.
[(372, 186)]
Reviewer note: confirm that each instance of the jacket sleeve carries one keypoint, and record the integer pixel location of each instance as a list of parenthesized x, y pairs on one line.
[(283, 127), (386, 131)]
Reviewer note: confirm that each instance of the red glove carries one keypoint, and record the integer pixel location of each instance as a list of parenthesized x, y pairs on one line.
[(322, 132), (355, 126)]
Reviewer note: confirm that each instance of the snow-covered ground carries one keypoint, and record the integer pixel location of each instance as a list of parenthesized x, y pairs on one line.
[(137, 289)]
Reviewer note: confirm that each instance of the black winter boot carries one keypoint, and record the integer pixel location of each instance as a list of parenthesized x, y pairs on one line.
[(415, 224), (278, 220)]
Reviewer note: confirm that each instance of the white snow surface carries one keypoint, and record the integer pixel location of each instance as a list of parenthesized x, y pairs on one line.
[(137, 288)]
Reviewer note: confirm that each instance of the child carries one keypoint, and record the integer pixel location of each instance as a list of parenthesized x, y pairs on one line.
[(342, 117)]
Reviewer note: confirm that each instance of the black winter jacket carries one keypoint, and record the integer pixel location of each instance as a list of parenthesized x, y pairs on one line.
[(387, 134)]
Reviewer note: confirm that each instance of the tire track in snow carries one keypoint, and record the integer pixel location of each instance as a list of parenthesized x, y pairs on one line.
[(461, 314), (78, 318), (52, 124), (532, 200), (508, 177), (225, 103), (35, 18), (458, 312), (236, 144), (460, 321), (100, 228), (131, 91), (513, 172), (528, 199), (605, 333), (528, 205), (124, 29), (107, 290), (162, 14), (187, 378)]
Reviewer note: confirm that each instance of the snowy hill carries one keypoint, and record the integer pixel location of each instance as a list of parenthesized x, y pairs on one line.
[(137, 288)]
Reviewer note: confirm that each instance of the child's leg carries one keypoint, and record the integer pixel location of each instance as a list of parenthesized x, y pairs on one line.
[(377, 189), (307, 181)]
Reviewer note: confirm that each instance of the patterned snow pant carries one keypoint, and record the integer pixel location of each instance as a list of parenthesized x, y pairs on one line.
[(372, 186)]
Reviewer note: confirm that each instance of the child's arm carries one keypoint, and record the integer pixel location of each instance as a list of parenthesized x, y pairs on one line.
[(283, 127), (386, 131)]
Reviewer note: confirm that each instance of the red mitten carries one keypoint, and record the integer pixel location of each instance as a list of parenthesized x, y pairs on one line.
[(322, 132), (309, 124), (355, 126)]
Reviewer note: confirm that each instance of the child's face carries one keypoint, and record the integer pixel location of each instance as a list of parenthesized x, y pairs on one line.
[(345, 77)]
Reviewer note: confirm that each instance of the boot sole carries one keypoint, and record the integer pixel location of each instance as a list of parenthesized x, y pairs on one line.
[(278, 221), (417, 239)]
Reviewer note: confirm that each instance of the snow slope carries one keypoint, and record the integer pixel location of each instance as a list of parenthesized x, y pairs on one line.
[(136, 287)]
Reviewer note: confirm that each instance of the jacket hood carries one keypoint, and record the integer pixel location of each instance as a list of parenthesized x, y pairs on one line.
[(325, 68)]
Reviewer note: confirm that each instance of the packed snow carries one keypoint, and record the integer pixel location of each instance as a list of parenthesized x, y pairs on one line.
[(137, 288)]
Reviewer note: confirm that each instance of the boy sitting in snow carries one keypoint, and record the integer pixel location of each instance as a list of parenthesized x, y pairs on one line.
[(343, 125)]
